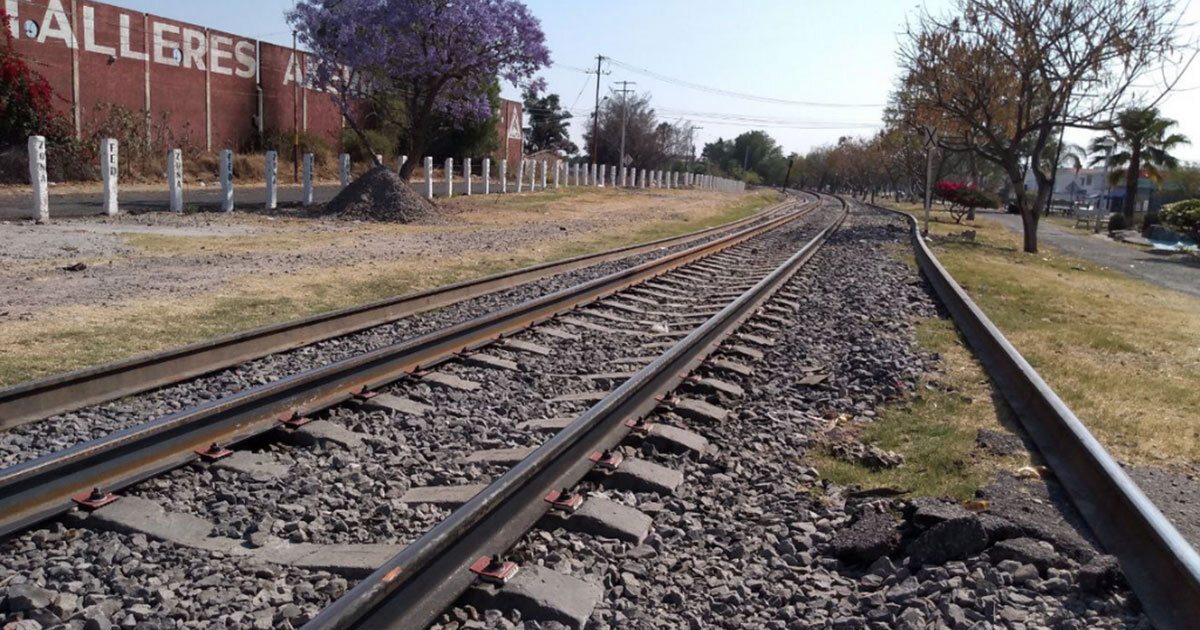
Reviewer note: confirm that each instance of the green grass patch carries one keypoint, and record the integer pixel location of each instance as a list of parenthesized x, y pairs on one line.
[(936, 430)]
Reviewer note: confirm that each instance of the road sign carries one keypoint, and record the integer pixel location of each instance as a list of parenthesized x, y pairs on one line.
[(628, 161)]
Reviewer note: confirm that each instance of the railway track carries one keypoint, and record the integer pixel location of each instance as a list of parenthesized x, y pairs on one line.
[(681, 331), (51, 484), (60, 394)]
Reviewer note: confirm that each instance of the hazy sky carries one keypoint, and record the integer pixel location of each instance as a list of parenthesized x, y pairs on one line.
[(839, 52)]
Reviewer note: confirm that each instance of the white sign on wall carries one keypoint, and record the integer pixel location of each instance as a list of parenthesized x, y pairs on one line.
[(514, 123)]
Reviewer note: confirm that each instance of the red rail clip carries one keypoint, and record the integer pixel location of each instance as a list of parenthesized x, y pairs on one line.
[(295, 421), (94, 499), (564, 500), (639, 425), (494, 569), (608, 460), (213, 452)]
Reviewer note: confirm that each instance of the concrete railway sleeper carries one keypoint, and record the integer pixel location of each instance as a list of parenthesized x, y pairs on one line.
[(87, 473)]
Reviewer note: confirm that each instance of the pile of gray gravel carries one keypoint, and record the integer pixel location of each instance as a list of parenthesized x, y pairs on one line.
[(379, 195)]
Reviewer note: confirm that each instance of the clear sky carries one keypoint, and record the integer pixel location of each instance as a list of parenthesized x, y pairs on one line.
[(816, 51)]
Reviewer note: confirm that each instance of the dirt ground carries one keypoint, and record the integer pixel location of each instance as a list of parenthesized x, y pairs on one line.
[(81, 291)]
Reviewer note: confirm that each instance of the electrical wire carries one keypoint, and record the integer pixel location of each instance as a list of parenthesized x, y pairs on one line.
[(730, 93)]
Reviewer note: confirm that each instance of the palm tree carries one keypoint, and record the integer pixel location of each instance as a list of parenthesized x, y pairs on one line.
[(1140, 142)]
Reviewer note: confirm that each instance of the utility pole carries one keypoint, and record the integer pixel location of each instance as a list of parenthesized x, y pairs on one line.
[(692, 143), (788, 178), (929, 146), (624, 92), (295, 111), (596, 113)]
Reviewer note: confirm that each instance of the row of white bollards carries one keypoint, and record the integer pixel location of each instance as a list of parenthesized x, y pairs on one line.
[(598, 175)]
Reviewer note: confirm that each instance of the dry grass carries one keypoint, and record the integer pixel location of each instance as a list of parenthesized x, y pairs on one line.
[(74, 337), (1123, 353)]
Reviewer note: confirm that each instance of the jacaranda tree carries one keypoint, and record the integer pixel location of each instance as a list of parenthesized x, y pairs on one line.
[(415, 63)]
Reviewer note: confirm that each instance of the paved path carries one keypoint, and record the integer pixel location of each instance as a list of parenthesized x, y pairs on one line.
[(1171, 270), (16, 204)]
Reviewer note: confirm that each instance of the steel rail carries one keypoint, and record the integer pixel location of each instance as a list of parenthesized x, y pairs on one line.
[(1160, 565), (34, 400), (427, 576), (43, 487)]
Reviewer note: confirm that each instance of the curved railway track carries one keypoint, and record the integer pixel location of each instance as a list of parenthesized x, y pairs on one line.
[(465, 546)]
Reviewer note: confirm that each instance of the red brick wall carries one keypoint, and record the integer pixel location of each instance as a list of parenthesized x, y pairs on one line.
[(202, 85), (509, 128)]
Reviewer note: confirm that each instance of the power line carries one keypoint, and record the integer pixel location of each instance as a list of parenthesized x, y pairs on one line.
[(732, 94)]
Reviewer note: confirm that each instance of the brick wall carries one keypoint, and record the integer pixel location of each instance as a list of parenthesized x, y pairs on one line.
[(205, 87)]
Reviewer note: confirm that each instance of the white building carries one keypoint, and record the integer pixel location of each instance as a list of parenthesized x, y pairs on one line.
[(1086, 184)]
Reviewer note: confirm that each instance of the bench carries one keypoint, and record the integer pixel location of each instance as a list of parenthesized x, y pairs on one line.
[(1088, 217)]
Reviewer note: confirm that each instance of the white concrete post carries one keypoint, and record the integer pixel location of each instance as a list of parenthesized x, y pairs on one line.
[(175, 178), (403, 161), (308, 179), (226, 180), (600, 180), (544, 166), (504, 176), (378, 158), (429, 178), (110, 171), (467, 174), (532, 174), (344, 169), (272, 171), (487, 176), (37, 178), (575, 168), (557, 168), (448, 175), (520, 175), (612, 175)]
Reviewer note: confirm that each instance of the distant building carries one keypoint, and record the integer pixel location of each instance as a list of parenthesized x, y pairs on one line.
[(1089, 187)]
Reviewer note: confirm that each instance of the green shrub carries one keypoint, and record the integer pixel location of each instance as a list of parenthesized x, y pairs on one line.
[(1151, 219), (1117, 222), (1183, 216), (281, 141), (383, 143)]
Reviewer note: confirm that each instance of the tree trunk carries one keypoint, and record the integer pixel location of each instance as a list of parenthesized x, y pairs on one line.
[(1029, 223), (1131, 183), (1029, 211)]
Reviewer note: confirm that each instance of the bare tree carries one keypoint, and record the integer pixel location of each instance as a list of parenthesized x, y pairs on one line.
[(999, 77)]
